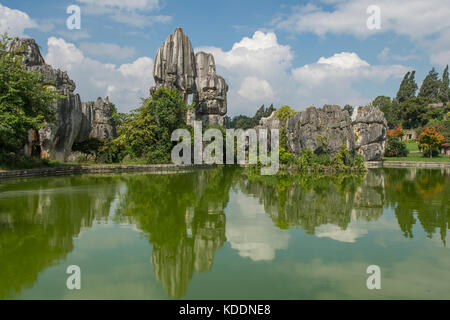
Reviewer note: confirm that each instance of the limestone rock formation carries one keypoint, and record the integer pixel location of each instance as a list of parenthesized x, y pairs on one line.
[(56, 140), (75, 121), (370, 127), (176, 67), (211, 94), (268, 123), (97, 120), (33, 61), (320, 130)]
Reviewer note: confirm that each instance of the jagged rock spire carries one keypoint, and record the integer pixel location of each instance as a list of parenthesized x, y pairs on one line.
[(176, 67)]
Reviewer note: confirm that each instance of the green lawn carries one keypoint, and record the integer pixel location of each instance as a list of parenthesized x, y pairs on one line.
[(416, 155), (419, 158), (412, 146)]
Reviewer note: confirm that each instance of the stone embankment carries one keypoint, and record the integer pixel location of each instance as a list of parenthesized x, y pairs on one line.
[(68, 170)]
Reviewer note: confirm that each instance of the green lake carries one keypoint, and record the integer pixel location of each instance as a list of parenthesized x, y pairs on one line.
[(223, 234)]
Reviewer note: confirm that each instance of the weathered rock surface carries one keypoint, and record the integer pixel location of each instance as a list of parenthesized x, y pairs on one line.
[(370, 128), (75, 121), (320, 130), (268, 123), (211, 94), (33, 61), (97, 120), (56, 140), (176, 67)]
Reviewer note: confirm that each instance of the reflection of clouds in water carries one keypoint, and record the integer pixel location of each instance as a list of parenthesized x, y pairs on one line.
[(250, 231), (419, 276), (357, 228), (336, 233)]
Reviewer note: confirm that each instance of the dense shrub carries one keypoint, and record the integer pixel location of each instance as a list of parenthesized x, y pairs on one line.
[(395, 148), (343, 160), (146, 133)]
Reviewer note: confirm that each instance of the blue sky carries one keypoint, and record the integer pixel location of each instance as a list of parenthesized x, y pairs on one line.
[(299, 53)]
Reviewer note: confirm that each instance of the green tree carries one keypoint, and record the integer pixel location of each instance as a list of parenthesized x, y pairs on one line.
[(269, 111), (118, 118), (430, 86), (260, 113), (147, 132), (349, 109), (408, 87), (444, 92), (25, 103), (413, 112), (430, 140), (390, 108), (242, 122), (284, 113)]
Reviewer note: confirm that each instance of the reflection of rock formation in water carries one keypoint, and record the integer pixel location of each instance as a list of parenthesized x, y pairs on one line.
[(42, 221), (185, 233), (369, 198), (414, 194), (174, 266), (310, 202)]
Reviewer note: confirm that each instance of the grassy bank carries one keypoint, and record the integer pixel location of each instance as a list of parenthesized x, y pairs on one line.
[(416, 156)]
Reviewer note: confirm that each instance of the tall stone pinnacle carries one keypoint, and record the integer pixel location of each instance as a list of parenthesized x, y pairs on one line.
[(177, 67)]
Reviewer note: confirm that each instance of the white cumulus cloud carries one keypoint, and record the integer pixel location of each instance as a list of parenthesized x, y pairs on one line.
[(330, 80), (255, 89), (256, 70), (259, 71), (107, 49), (426, 23), (124, 84), (14, 21)]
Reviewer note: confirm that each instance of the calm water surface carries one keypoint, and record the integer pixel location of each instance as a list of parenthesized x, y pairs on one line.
[(222, 234)]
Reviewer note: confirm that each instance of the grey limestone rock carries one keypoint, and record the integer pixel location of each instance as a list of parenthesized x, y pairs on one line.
[(320, 130), (75, 121), (211, 96), (370, 128), (56, 140), (176, 67), (97, 122)]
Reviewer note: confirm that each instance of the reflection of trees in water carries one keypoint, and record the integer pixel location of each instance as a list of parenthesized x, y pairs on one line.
[(313, 200), (423, 194), (183, 216), (38, 221)]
